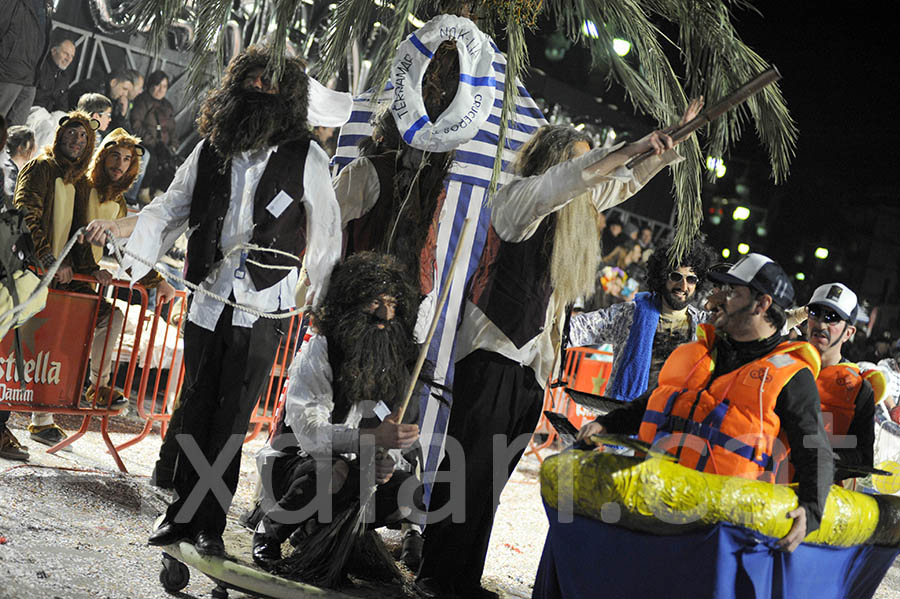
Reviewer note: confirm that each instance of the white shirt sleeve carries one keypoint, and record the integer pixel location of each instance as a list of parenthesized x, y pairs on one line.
[(520, 205), (162, 221), (357, 189), (310, 401), (323, 223)]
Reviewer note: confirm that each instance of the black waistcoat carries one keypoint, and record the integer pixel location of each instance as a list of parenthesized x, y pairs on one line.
[(286, 232), (512, 283), (370, 231)]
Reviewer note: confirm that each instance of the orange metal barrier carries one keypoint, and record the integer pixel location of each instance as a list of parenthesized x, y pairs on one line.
[(157, 358), (272, 399), (56, 345), (166, 356), (586, 369)]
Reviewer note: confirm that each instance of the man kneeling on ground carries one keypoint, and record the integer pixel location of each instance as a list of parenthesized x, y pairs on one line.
[(357, 362)]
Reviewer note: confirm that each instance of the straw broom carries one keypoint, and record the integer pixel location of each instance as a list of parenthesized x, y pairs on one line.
[(321, 559)]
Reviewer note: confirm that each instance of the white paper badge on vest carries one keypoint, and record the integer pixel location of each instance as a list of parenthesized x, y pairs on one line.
[(475, 92)]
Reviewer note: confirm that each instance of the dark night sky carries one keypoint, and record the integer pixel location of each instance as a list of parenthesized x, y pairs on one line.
[(839, 72), (839, 66)]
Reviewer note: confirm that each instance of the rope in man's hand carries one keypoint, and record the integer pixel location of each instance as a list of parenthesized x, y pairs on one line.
[(120, 251)]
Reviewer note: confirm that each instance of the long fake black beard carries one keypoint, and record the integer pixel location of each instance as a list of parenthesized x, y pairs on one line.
[(374, 363), (418, 183), (251, 120)]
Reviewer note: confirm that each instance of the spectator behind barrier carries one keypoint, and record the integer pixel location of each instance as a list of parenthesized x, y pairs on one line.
[(99, 107), (24, 31), (116, 86), (20, 148), (153, 120), (52, 192), (55, 76)]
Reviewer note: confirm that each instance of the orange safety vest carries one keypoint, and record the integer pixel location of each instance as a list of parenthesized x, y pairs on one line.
[(726, 425), (838, 387)]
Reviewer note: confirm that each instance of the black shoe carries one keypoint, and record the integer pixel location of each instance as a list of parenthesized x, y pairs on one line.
[(251, 517), (209, 544), (266, 551), (168, 533), (411, 550)]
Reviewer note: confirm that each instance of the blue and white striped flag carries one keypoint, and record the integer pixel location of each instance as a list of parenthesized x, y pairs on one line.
[(467, 188)]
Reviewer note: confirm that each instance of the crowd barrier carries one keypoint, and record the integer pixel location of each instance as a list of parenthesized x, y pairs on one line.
[(56, 347), (586, 369), (56, 352), (157, 391)]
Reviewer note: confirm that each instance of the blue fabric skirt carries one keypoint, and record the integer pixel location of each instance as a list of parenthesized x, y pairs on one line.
[(586, 558)]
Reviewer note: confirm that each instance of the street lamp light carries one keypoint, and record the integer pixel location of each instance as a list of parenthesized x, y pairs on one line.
[(726, 252), (621, 47), (800, 276), (821, 253), (741, 213), (743, 248)]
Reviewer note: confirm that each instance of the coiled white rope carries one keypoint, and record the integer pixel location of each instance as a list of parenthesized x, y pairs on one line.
[(119, 249)]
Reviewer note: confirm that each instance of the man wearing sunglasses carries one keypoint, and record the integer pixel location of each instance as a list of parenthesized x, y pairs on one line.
[(724, 402), (848, 400), (645, 331)]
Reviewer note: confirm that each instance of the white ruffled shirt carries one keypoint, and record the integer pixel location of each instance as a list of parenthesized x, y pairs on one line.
[(165, 218)]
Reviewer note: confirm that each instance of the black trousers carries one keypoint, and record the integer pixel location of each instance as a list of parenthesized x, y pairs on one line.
[(224, 372), (294, 485), (491, 395)]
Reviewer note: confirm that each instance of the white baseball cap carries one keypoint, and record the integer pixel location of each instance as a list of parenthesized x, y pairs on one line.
[(839, 298)]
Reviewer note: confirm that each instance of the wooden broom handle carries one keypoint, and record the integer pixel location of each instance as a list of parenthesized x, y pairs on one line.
[(400, 411)]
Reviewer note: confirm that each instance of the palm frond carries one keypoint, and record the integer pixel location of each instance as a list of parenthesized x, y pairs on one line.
[(349, 23), (384, 56), (716, 63), (655, 90), (283, 13), (156, 15), (712, 60)]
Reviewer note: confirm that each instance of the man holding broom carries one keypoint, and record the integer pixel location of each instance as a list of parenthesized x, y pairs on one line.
[(340, 406)]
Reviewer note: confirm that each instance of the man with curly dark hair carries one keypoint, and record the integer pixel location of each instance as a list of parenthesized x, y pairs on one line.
[(344, 383), (256, 193), (645, 331)]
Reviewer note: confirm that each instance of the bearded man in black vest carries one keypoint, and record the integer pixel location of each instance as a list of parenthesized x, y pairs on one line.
[(540, 255), (256, 194)]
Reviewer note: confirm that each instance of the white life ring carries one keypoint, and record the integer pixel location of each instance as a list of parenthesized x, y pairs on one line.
[(474, 97)]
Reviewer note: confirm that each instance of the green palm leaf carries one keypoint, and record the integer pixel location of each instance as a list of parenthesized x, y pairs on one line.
[(710, 59)]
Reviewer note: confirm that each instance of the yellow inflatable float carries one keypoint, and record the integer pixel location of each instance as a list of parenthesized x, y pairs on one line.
[(658, 496)]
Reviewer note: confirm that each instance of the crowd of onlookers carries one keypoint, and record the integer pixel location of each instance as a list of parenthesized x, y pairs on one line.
[(624, 250), (37, 89)]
